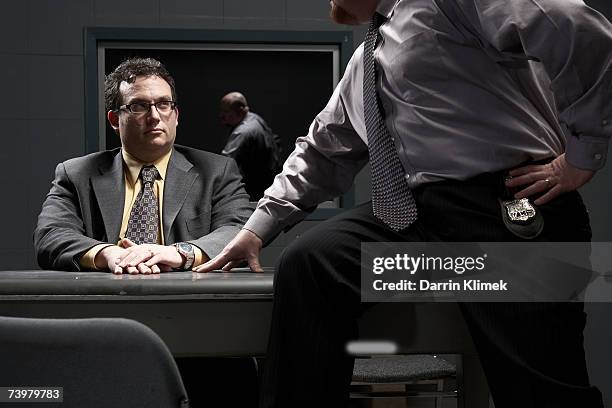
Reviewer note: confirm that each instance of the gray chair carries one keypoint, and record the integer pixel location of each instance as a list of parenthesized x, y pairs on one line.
[(405, 376), (108, 362)]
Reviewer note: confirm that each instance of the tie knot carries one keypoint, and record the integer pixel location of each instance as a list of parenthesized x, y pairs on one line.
[(377, 20), (148, 174)]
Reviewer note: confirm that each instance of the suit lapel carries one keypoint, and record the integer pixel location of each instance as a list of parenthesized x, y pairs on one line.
[(109, 188), (176, 186)]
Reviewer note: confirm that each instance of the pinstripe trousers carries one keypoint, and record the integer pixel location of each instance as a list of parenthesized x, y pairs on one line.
[(532, 353)]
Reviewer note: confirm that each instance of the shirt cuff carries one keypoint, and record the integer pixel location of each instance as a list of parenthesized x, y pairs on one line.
[(586, 152), (87, 260), (200, 256), (264, 225)]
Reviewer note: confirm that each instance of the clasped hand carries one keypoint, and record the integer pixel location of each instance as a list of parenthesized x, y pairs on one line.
[(128, 257)]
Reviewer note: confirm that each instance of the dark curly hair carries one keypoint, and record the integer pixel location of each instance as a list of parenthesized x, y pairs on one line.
[(127, 71)]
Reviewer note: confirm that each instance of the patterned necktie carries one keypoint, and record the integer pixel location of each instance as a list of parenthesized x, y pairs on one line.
[(143, 225), (392, 200)]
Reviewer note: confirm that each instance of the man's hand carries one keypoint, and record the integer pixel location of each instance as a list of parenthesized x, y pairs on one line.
[(245, 246), (148, 258), (551, 180), (109, 257)]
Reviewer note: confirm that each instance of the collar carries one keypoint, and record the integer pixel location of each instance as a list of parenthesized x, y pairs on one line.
[(385, 7), (133, 166)]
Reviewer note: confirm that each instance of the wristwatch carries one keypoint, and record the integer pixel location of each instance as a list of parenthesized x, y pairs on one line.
[(186, 251)]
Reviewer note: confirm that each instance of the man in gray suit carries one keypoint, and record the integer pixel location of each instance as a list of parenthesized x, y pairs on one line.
[(148, 207)]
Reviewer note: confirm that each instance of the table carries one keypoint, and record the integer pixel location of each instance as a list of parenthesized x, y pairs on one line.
[(227, 314)]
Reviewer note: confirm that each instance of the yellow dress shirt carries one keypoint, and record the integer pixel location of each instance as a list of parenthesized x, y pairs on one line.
[(133, 185)]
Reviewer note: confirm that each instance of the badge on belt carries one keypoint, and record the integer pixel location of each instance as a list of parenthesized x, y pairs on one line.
[(522, 218)]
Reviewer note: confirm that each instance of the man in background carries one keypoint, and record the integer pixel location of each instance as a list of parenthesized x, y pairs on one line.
[(252, 143)]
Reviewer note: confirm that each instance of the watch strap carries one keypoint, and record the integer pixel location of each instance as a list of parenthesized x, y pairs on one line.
[(187, 254)]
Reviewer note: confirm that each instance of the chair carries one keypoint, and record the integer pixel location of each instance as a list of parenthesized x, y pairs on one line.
[(108, 362), (404, 376)]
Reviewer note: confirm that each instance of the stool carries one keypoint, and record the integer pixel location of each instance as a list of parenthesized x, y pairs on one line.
[(404, 376)]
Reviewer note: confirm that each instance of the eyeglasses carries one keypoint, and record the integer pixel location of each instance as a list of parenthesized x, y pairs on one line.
[(145, 107)]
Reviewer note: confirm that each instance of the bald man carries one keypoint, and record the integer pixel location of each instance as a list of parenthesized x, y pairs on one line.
[(252, 143)]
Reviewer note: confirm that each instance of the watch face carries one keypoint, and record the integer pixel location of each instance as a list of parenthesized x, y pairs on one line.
[(184, 247)]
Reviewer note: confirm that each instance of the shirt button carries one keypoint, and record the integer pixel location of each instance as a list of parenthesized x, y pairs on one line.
[(597, 156), (604, 122)]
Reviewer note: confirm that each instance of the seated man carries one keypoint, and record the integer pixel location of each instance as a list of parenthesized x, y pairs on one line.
[(150, 206)]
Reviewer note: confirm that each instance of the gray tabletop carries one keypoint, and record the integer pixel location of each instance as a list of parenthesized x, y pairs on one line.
[(239, 283)]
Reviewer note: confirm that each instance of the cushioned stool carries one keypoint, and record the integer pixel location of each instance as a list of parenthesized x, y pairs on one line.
[(408, 376)]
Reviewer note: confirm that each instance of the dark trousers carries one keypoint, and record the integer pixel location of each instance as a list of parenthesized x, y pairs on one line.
[(532, 353)]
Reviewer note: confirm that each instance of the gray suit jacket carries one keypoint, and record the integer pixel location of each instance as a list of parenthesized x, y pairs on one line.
[(204, 203)]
